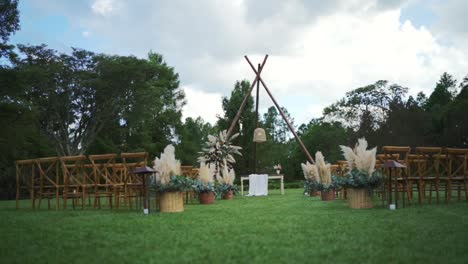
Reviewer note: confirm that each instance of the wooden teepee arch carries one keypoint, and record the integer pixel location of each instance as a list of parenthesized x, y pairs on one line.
[(258, 79)]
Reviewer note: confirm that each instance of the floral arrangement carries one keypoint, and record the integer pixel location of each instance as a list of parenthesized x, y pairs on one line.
[(361, 163), (205, 181), (277, 167), (167, 176), (226, 181), (311, 177), (218, 152), (318, 176)]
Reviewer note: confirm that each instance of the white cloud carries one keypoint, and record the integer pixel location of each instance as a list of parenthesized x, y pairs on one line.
[(199, 103), (85, 34), (318, 49), (104, 7)]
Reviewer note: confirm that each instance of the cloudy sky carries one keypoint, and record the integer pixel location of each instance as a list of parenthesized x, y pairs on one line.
[(318, 49)]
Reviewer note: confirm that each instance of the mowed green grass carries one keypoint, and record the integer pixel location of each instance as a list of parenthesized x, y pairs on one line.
[(276, 229)]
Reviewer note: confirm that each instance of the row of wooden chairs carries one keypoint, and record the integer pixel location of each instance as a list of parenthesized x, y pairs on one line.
[(427, 170), (80, 178)]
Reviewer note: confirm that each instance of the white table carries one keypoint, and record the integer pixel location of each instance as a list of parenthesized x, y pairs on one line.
[(270, 177)]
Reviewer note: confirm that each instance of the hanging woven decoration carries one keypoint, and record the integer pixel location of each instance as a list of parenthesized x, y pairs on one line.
[(259, 135)]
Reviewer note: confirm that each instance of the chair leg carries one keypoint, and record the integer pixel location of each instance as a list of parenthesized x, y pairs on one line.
[(449, 190), (420, 194), (466, 189)]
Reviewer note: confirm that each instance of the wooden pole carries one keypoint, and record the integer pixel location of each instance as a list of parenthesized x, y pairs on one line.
[(17, 185), (304, 149), (244, 102), (256, 122), (33, 198), (57, 187)]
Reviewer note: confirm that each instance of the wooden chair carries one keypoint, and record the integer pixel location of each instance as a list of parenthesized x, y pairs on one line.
[(119, 180), (88, 182), (102, 166), (396, 175), (26, 179), (414, 180), (429, 171), (457, 172), (72, 172), (133, 183), (49, 180), (192, 173)]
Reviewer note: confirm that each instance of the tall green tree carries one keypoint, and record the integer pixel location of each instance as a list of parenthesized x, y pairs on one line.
[(193, 134), (244, 164), (364, 109), (9, 24)]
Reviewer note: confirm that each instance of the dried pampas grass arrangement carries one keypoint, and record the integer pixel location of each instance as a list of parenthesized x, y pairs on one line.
[(323, 168), (359, 157), (310, 172), (166, 166), (227, 177), (205, 175), (319, 172)]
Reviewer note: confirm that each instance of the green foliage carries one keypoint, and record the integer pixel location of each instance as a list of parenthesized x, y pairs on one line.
[(360, 180), (224, 188), (244, 164), (9, 24), (192, 135), (311, 186), (336, 184), (176, 184), (9, 19), (202, 187)]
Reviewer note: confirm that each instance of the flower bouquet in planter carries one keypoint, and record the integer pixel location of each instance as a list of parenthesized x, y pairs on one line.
[(204, 185), (312, 179), (168, 181), (318, 178), (226, 186), (362, 178), (218, 155), (278, 168)]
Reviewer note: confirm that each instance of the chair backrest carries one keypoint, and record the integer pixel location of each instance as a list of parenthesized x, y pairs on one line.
[(48, 172), (429, 161), (132, 161), (457, 160), (391, 152), (102, 169), (186, 170), (72, 171)]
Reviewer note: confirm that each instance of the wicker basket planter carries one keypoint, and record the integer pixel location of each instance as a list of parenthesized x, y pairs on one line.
[(171, 202), (206, 197), (328, 195), (359, 198), (228, 195)]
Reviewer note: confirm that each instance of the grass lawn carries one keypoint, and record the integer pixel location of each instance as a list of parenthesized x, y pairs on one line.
[(275, 229)]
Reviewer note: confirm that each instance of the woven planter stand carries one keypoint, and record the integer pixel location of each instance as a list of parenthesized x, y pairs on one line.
[(171, 202), (359, 198)]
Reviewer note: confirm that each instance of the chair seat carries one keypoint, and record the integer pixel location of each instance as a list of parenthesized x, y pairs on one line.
[(103, 193), (412, 178)]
